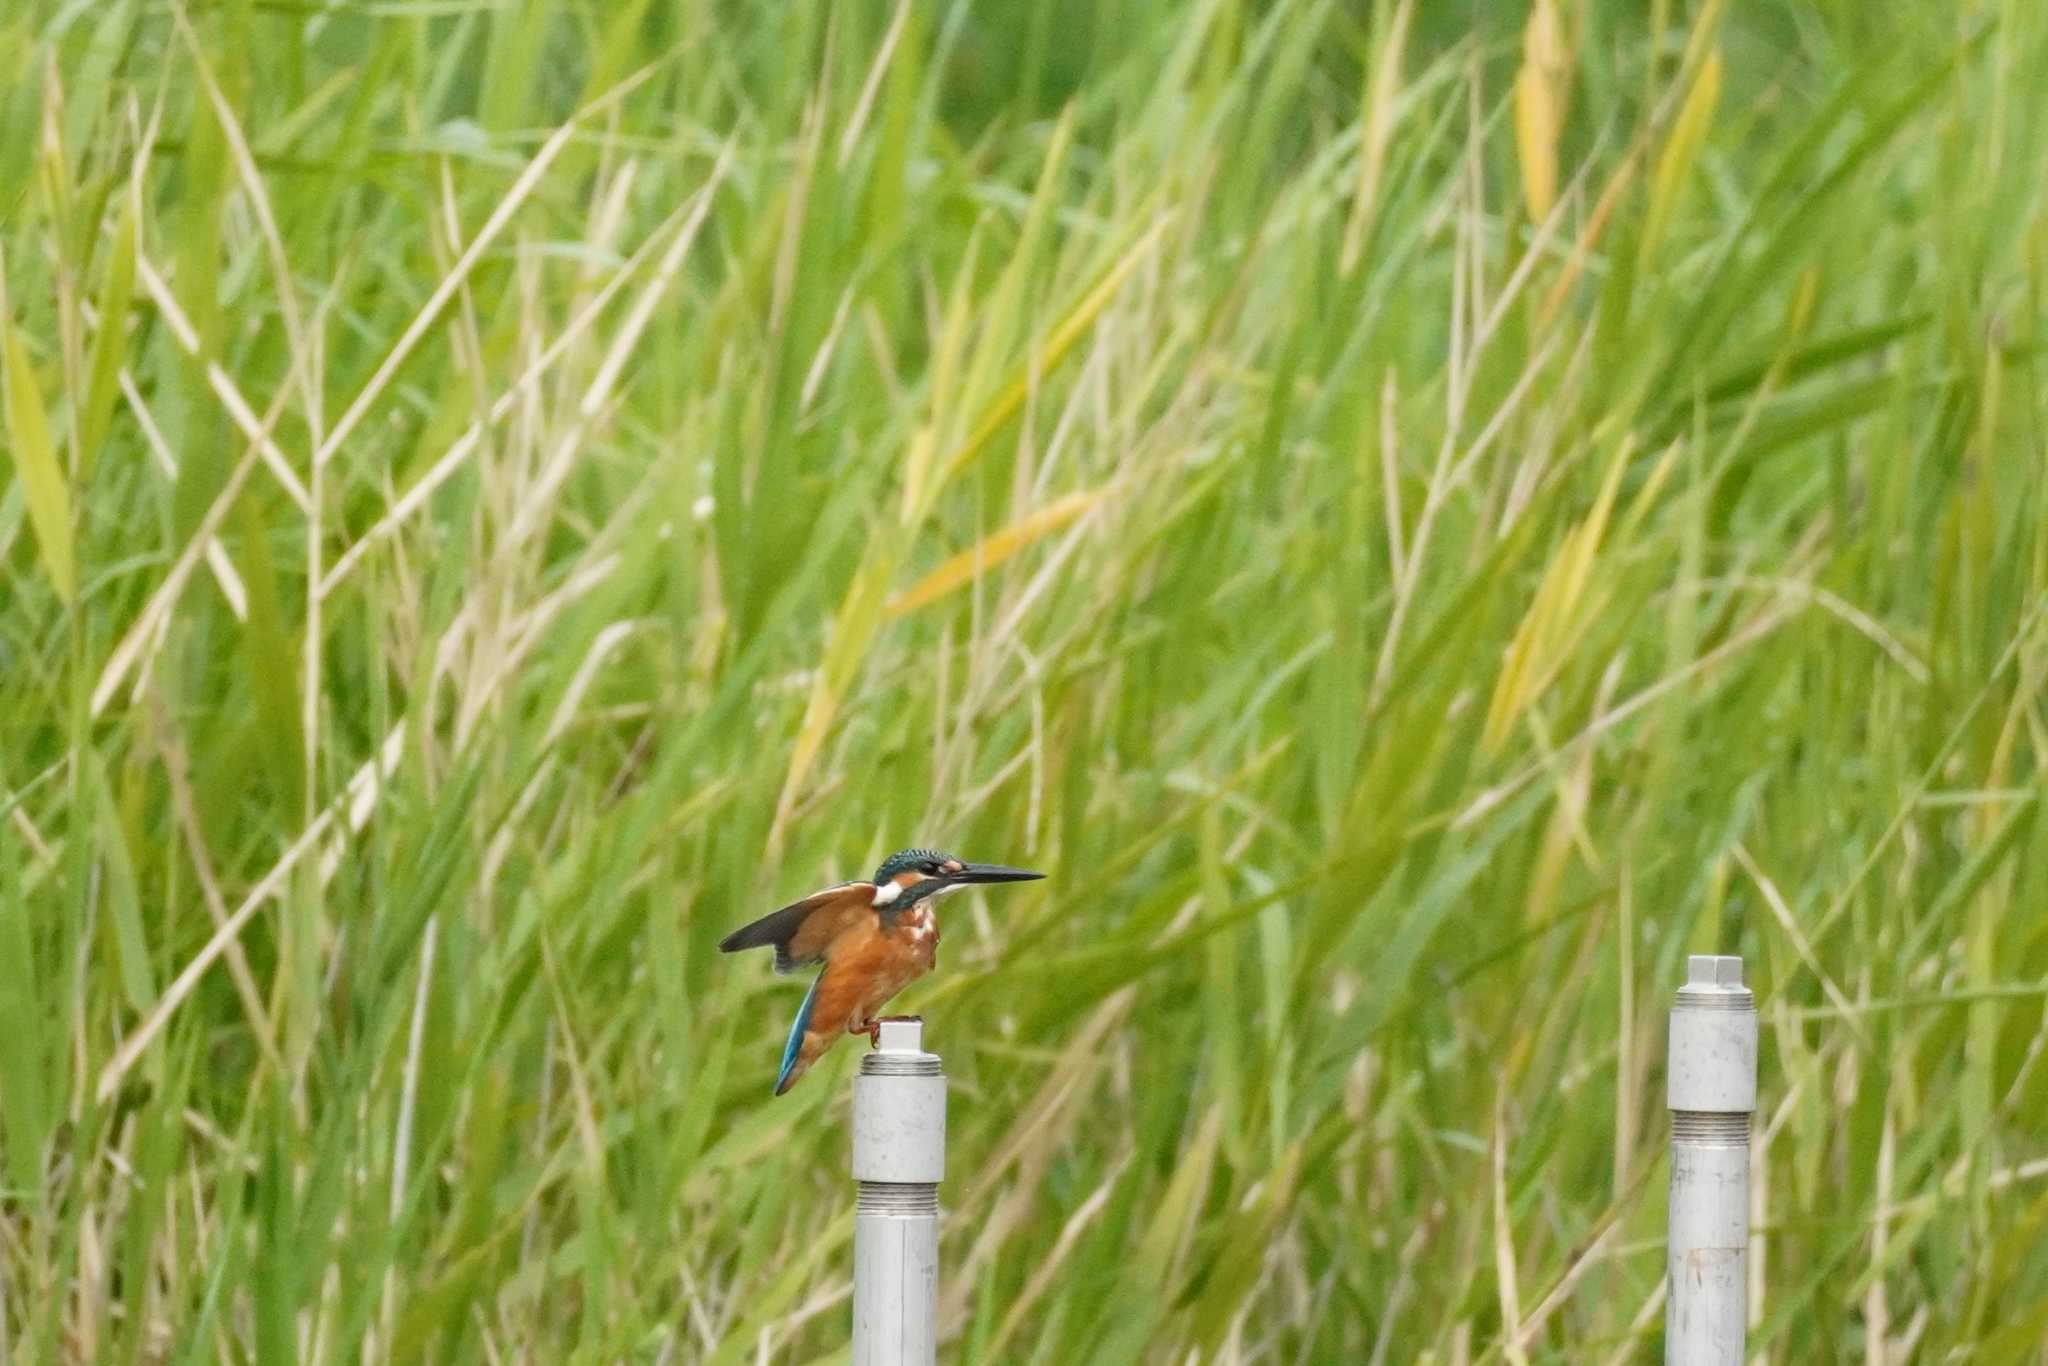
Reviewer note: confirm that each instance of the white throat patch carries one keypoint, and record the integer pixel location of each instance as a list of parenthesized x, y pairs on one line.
[(887, 893)]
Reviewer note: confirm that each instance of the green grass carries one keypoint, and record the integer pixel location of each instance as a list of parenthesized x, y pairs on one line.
[(1415, 526)]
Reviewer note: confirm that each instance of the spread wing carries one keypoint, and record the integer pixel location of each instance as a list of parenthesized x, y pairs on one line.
[(803, 930)]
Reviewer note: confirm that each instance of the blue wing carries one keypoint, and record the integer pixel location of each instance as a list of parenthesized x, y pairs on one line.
[(796, 1033)]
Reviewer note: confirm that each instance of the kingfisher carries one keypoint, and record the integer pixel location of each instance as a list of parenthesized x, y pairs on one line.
[(874, 938)]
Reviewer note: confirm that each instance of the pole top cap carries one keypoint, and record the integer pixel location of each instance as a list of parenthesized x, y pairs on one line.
[(907, 1036), (1714, 981), (1713, 970)]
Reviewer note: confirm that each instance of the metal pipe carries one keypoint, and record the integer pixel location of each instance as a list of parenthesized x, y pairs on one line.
[(1712, 1093), (899, 1158)]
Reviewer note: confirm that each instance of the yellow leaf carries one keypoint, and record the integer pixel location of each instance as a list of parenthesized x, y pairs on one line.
[(35, 458), (1540, 90), (1539, 649), (992, 550), (1681, 149), (1377, 126)]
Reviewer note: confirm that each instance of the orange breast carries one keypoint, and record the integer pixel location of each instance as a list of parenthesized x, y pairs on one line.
[(870, 964)]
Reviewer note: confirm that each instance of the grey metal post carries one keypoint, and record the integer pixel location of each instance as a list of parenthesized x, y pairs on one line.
[(899, 1158), (1712, 1081)]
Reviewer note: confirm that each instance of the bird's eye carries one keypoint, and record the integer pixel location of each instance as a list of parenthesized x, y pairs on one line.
[(930, 866)]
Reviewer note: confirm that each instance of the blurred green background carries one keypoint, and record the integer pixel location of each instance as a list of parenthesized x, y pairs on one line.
[(1416, 516)]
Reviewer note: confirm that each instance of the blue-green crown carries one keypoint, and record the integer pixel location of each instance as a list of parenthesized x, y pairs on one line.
[(910, 861)]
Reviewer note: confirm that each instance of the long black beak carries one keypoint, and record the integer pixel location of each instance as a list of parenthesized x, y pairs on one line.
[(993, 872)]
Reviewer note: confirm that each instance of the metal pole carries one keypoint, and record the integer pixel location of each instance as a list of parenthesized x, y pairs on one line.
[(1712, 1080), (899, 1158)]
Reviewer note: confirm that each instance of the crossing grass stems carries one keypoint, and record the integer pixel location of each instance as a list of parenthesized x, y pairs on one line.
[(1418, 521)]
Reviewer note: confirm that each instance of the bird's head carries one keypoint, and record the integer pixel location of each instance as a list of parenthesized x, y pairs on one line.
[(911, 875)]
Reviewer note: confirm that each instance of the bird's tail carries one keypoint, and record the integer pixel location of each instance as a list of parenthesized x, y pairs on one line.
[(794, 1063)]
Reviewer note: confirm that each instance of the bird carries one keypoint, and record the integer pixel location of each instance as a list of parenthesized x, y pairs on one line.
[(874, 938)]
